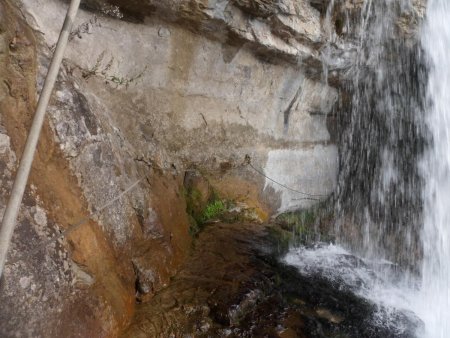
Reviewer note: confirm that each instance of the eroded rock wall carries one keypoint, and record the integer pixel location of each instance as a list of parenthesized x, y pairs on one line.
[(178, 98), (44, 292), (184, 85)]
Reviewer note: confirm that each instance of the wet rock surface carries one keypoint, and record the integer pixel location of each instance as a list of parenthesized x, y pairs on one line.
[(148, 91), (234, 285)]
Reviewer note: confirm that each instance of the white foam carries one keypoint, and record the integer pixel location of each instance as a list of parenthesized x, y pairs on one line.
[(372, 280)]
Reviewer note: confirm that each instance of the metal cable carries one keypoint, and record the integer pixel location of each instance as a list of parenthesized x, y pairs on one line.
[(74, 226), (313, 197), (82, 221)]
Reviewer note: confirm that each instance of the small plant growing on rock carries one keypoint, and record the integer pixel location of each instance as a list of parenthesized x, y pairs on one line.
[(104, 70), (202, 203), (86, 27), (213, 210)]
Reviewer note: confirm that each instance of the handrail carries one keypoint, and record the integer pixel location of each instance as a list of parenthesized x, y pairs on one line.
[(23, 172)]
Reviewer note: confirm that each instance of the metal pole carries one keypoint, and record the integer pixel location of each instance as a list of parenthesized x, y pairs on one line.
[(18, 189)]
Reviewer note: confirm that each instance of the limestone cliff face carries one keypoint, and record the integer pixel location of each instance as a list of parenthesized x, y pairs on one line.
[(207, 86), (148, 92)]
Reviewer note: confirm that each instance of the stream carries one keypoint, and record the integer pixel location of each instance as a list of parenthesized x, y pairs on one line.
[(242, 281)]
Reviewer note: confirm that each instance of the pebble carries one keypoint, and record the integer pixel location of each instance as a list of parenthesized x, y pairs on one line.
[(164, 32), (25, 282)]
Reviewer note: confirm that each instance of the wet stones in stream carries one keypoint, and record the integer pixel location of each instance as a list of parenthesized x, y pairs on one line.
[(234, 285)]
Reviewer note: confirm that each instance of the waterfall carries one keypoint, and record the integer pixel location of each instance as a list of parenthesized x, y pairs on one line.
[(434, 301), (394, 182), (378, 202), (393, 195)]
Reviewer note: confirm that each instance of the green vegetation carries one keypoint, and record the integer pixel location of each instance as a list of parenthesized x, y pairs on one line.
[(213, 210), (300, 223), (193, 202), (202, 209), (301, 218), (306, 226)]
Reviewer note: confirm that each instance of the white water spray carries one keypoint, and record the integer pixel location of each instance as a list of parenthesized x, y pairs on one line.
[(429, 298), (434, 300)]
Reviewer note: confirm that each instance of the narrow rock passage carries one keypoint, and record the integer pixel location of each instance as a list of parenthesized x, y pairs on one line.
[(233, 285)]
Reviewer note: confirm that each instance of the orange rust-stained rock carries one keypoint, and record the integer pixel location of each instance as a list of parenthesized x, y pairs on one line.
[(112, 282), (103, 304), (107, 306), (164, 240), (245, 191)]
